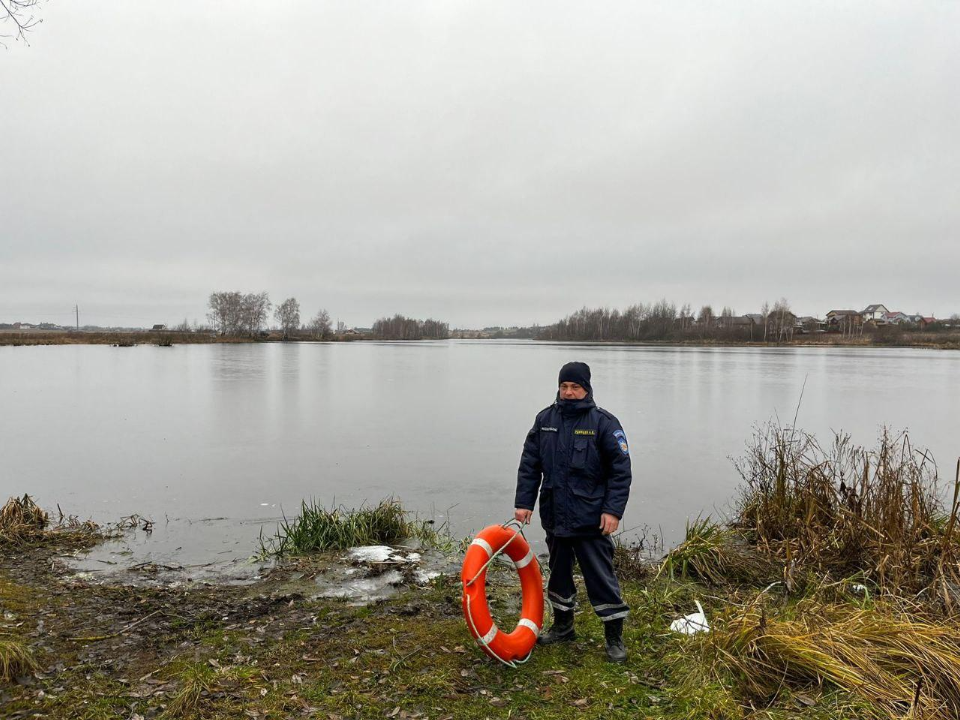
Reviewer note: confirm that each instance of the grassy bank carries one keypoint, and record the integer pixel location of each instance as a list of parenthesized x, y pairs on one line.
[(123, 339), (829, 595), (162, 338)]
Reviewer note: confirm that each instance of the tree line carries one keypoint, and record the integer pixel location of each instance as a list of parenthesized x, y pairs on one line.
[(400, 327), (665, 321), (238, 314)]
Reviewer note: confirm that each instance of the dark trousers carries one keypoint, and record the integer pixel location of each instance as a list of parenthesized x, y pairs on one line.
[(594, 555)]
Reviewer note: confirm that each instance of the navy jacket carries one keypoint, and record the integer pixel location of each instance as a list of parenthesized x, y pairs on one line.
[(576, 455)]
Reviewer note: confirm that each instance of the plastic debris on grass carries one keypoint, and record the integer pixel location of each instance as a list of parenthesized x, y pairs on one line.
[(692, 623)]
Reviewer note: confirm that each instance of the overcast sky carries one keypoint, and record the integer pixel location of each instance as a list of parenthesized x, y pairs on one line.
[(486, 163)]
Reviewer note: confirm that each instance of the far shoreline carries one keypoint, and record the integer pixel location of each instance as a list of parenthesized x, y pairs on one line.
[(163, 338)]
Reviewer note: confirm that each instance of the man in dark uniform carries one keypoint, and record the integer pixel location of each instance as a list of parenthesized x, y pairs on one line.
[(576, 455)]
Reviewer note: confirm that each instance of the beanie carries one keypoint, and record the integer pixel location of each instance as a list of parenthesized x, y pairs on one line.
[(576, 372)]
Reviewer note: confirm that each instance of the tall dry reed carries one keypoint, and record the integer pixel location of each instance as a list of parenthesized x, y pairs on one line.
[(850, 510)]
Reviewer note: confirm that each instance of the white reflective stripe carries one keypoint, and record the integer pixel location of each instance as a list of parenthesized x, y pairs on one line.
[(557, 606), (525, 560), (557, 597), (488, 638), (615, 616), (529, 624), (480, 542)]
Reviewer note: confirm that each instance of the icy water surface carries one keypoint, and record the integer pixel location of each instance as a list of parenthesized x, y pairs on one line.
[(215, 442)]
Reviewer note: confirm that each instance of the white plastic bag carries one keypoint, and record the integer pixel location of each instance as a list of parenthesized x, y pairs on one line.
[(693, 623)]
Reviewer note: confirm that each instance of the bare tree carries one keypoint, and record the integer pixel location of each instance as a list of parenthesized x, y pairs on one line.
[(233, 313), (320, 325), (256, 307), (765, 311), (782, 320), (225, 314), (20, 13), (403, 328), (287, 316)]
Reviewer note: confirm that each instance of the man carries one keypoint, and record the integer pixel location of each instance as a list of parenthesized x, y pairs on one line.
[(576, 454)]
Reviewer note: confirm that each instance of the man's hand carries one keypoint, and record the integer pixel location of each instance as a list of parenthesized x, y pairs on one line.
[(522, 515), (609, 523)]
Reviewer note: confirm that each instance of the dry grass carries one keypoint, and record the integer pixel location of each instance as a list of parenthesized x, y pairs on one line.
[(22, 520), (15, 659), (716, 555), (849, 510), (902, 666)]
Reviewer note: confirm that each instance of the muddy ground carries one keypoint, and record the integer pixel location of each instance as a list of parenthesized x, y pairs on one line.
[(266, 651)]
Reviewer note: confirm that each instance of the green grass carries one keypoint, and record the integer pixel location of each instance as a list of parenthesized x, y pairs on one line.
[(195, 679), (319, 529)]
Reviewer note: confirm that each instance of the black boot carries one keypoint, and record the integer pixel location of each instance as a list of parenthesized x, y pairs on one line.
[(561, 630), (613, 633)]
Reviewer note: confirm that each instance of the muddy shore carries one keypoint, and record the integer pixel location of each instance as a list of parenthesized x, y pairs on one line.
[(266, 651)]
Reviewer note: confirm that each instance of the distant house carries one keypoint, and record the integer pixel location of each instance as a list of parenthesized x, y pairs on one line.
[(735, 321), (873, 312), (810, 324), (920, 321), (845, 321), (893, 318), (160, 326)]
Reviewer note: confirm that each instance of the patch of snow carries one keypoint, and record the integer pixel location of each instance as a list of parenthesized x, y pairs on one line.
[(381, 554), (371, 553)]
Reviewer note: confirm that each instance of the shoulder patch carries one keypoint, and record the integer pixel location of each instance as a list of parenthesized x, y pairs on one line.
[(621, 438)]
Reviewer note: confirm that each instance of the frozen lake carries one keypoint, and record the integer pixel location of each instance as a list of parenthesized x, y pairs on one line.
[(214, 441)]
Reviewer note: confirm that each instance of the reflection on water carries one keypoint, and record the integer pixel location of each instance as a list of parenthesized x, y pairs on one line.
[(244, 432)]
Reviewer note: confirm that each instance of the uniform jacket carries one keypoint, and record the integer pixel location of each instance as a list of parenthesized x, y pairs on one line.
[(576, 455)]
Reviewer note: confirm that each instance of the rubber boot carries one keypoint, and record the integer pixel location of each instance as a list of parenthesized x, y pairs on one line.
[(613, 633), (561, 630)]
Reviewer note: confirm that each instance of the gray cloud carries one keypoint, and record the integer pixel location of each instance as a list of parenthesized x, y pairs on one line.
[(482, 162)]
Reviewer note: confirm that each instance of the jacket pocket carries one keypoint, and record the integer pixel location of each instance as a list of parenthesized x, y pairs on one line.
[(546, 509), (579, 453), (587, 503)]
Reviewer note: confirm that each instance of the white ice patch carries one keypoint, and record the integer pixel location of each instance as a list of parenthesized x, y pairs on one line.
[(371, 553), (422, 577), (381, 554)]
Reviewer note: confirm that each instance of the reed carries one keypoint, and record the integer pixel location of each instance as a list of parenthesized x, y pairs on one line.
[(848, 510), (21, 520)]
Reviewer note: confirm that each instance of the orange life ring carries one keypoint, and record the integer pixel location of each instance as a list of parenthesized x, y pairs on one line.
[(508, 648)]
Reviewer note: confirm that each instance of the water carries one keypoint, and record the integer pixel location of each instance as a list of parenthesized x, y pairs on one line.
[(213, 442)]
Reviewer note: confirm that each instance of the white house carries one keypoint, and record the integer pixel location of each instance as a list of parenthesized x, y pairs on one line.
[(874, 312)]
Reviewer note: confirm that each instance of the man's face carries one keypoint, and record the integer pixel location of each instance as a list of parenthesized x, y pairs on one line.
[(572, 391)]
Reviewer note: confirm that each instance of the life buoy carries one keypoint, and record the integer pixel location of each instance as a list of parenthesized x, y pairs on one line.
[(517, 645)]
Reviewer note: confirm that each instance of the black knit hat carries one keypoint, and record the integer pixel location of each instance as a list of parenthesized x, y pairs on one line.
[(576, 372)]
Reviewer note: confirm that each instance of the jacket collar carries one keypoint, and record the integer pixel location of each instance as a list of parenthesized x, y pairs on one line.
[(574, 407)]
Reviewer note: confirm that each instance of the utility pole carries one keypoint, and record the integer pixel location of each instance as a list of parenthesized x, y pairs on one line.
[(77, 309)]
